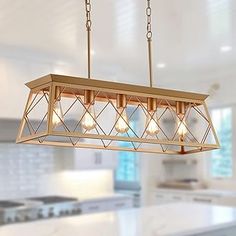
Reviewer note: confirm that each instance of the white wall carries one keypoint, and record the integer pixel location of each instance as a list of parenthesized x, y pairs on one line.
[(16, 71)]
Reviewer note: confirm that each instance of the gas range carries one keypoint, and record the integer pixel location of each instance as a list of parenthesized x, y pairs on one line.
[(55, 206), (35, 208)]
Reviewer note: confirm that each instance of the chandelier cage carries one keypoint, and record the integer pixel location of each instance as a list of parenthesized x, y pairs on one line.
[(180, 116), (88, 113)]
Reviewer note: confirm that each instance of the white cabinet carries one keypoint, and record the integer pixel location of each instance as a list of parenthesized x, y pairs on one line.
[(164, 198), (160, 198), (120, 204), (204, 199), (102, 205), (90, 159), (90, 207)]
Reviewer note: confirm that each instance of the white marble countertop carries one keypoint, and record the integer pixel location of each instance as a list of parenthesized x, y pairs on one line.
[(177, 219), (207, 192)]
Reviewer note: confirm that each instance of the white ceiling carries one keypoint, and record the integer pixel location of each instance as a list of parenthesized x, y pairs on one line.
[(188, 36)]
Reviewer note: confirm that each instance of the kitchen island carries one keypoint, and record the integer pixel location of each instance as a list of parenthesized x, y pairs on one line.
[(176, 219)]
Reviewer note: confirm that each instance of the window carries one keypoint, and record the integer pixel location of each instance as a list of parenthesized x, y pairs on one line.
[(221, 161), (127, 173)]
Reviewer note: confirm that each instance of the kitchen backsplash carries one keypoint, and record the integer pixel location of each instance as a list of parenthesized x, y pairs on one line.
[(27, 170)]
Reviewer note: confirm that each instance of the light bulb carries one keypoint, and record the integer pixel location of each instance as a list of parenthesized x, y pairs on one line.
[(57, 117), (122, 121), (182, 128), (151, 124), (88, 121)]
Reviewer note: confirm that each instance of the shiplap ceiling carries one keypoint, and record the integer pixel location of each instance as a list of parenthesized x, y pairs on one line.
[(188, 36)]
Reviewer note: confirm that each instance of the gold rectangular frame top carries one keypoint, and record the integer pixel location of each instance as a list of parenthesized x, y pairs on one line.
[(117, 87)]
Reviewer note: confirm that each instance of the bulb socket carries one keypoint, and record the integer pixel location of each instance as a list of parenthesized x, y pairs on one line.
[(57, 94), (180, 109), (152, 104), (121, 101), (89, 97)]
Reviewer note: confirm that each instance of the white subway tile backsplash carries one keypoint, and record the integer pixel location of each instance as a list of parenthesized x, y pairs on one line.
[(27, 170)]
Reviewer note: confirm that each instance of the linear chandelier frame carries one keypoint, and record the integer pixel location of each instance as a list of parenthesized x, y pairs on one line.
[(73, 89)]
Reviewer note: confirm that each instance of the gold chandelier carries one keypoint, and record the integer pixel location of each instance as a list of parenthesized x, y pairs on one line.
[(88, 113)]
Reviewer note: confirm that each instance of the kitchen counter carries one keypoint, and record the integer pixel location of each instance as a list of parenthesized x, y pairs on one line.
[(177, 219), (102, 197), (208, 192)]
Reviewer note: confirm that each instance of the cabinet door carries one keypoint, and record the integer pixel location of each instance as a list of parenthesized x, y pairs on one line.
[(161, 198), (92, 207), (164, 197), (120, 204), (177, 198), (91, 159), (204, 199)]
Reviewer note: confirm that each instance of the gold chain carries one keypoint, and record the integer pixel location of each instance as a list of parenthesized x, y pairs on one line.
[(88, 26), (149, 39), (88, 15), (149, 20)]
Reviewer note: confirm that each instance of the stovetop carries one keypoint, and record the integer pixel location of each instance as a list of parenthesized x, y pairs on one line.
[(34, 208), (10, 204), (53, 199)]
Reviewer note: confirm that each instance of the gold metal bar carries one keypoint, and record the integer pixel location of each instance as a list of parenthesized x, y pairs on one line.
[(52, 92), (42, 88), (31, 137), (22, 124), (150, 61), (206, 133), (32, 101), (129, 139), (92, 146), (30, 126), (41, 122), (42, 81), (198, 150), (89, 53), (200, 113), (212, 127), (136, 90), (100, 139)]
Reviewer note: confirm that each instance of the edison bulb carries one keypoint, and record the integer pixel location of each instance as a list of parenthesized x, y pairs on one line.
[(122, 121), (88, 121), (151, 124), (182, 128), (57, 117)]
